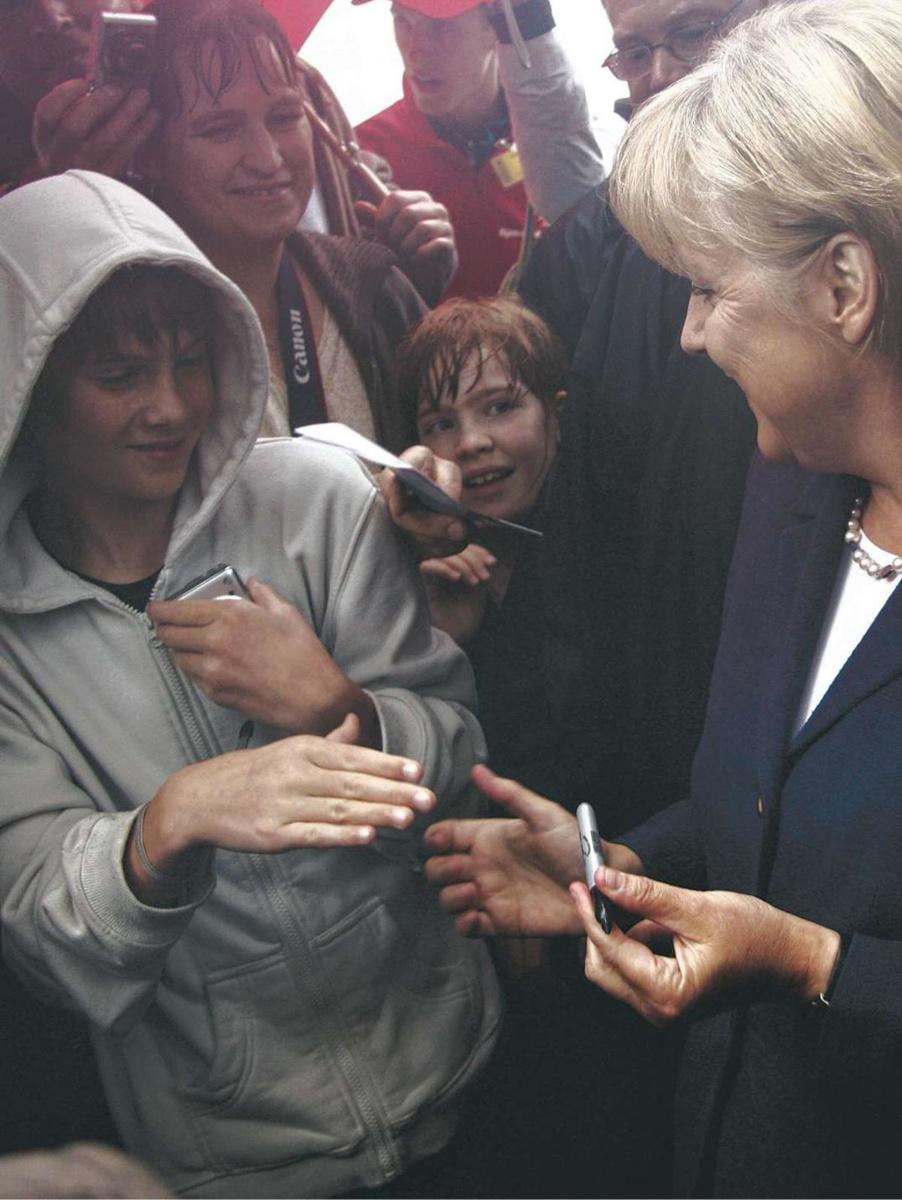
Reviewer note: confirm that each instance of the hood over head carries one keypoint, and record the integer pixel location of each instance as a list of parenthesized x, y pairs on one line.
[(60, 239)]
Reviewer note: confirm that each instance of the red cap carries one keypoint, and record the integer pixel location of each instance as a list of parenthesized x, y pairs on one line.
[(442, 10)]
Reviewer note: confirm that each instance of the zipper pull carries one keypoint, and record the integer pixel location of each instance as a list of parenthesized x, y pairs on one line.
[(245, 733)]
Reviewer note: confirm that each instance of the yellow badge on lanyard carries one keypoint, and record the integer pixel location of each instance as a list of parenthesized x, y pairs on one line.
[(507, 167)]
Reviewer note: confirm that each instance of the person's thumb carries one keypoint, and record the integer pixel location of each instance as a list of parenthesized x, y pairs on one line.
[(656, 901), (366, 213), (261, 593), (347, 732)]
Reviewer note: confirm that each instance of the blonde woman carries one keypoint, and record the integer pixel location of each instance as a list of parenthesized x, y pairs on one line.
[(767, 909)]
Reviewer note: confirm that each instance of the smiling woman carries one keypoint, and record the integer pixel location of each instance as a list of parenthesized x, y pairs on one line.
[(232, 163), (767, 907)]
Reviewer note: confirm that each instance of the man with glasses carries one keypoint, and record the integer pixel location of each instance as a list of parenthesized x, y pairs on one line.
[(683, 29)]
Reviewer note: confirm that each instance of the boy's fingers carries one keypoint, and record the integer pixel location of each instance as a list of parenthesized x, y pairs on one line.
[(449, 869), (459, 897), (513, 796), (267, 597), (452, 836)]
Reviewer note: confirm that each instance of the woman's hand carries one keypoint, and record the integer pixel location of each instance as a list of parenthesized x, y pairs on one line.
[(429, 534), (417, 228), (510, 876), (458, 590), (720, 941), (263, 660), (297, 793)]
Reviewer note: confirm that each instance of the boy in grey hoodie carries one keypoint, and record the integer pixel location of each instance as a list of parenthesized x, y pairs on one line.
[(232, 897)]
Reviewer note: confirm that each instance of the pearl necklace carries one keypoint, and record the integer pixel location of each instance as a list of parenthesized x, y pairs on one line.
[(860, 556)]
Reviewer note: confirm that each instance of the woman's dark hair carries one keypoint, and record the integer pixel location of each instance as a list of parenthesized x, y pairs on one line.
[(141, 301), (435, 353), (213, 38)]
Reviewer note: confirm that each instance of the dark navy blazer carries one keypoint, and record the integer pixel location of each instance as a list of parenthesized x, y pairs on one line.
[(777, 1099)]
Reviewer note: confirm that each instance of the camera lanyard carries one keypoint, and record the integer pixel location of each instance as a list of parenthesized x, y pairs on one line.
[(303, 381)]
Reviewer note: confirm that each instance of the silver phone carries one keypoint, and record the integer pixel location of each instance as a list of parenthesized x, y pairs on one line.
[(590, 847), (221, 582)]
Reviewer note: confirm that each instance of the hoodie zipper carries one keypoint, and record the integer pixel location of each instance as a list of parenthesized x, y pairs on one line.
[(378, 1128), (179, 693)]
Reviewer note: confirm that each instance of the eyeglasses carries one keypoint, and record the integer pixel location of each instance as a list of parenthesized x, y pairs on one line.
[(688, 44)]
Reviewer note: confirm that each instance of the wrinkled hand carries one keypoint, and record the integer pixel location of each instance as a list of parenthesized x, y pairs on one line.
[(419, 231), (507, 876), (260, 658), (430, 534), (94, 131), (458, 590), (720, 941)]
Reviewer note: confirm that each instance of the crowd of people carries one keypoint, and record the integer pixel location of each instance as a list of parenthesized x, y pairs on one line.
[(291, 883)]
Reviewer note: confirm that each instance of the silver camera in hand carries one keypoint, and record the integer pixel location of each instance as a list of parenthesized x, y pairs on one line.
[(122, 50)]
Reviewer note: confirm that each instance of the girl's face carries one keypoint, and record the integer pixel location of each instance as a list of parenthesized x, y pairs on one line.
[(236, 171), (503, 438)]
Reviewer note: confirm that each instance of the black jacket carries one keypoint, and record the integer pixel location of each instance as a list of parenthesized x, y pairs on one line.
[(611, 623), (776, 1099)]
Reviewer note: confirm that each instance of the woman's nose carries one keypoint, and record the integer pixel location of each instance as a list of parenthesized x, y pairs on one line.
[(261, 151), (692, 338)]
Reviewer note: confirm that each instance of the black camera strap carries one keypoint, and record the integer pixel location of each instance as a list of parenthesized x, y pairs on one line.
[(306, 398)]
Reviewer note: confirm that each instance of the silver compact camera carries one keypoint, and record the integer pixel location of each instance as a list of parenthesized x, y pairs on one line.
[(222, 582), (122, 49)]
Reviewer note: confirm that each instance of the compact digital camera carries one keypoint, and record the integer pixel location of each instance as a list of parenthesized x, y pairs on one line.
[(221, 582), (122, 49)]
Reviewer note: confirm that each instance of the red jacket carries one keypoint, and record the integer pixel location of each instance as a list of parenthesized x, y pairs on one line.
[(488, 218)]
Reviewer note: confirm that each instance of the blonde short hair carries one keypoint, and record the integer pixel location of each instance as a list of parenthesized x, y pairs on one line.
[(788, 135)]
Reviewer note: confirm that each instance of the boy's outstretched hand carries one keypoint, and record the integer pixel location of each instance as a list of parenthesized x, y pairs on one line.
[(503, 876), (507, 876)]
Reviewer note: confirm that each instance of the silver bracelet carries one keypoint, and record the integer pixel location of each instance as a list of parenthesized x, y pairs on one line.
[(824, 999)]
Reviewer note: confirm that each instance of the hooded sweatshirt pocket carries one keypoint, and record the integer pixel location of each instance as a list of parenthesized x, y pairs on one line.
[(271, 1093), (410, 994)]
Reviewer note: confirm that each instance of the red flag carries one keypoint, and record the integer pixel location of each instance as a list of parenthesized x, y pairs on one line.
[(297, 17)]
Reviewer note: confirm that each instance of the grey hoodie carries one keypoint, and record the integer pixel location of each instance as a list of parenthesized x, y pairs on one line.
[(302, 1022)]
